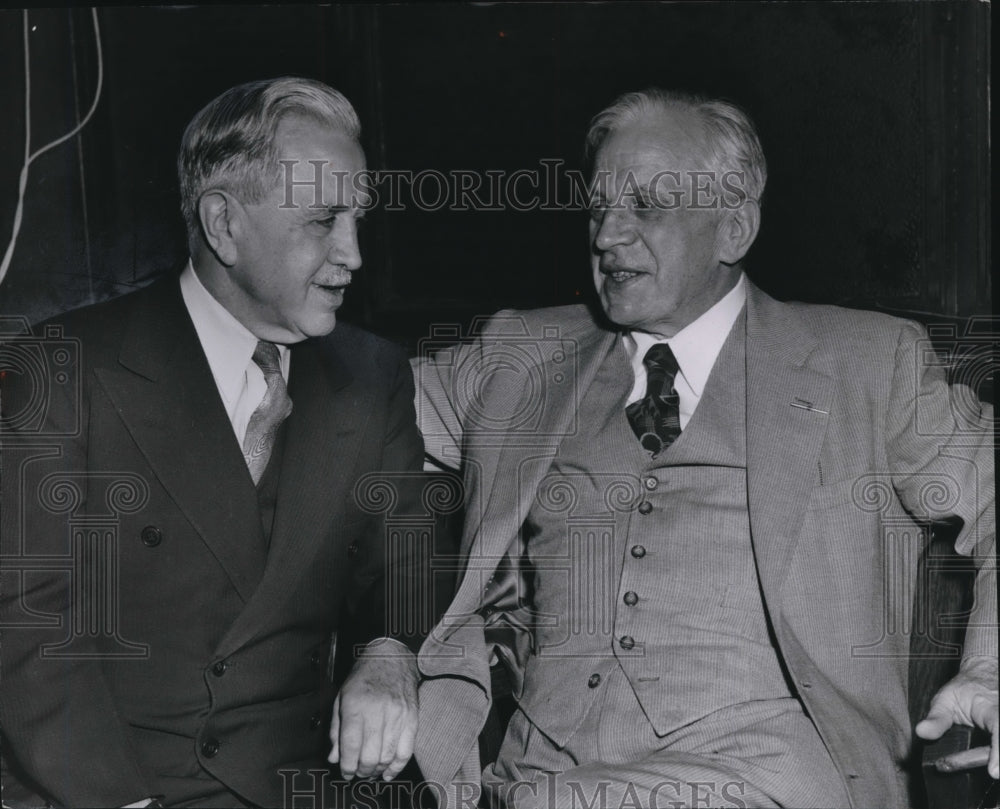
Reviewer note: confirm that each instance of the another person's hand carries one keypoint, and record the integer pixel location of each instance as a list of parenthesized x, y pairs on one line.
[(969, 698), (375, 714)]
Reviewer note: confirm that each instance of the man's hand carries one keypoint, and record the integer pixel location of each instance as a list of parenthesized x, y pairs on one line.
[(375, 713), (970, 698)]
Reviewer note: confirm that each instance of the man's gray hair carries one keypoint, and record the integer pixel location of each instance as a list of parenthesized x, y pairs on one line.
[(733, 144), (230, 145)]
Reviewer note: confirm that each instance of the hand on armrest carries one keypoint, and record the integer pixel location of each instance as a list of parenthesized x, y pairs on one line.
[(969, 698)]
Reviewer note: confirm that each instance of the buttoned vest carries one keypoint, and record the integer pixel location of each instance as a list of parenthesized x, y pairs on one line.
[(647, 564)]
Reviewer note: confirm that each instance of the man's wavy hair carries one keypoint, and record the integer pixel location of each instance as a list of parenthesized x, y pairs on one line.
[(732, 145), (229, 144)]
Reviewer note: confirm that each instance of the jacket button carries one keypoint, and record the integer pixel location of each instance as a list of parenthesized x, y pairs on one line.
[(645, 507), (352, 549), (626, 642), (638, 551), (220, 668), (594, 680), (651, 483), (314, 659), (631, 598), (315, 721), (151, 536), (210, 748)]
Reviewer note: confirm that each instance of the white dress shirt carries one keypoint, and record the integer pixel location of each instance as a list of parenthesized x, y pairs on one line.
[(229, 347), (695, 347)]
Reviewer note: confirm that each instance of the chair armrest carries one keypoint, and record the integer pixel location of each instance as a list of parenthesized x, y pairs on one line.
[(957, 790)]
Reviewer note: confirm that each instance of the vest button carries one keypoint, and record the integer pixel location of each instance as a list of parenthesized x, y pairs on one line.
[(651, 483), (626, 642), (315, 721), (594, 680), (151, 536), (638, 551), (210, 748), (352, 549), (645, 507), (220, 668), (631, 598), (314, 659)]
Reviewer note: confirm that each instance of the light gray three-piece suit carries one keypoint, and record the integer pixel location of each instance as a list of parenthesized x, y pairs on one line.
[(736, 608)]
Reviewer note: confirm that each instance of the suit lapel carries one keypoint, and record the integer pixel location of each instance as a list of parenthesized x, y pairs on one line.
[(788, 406), (165, 394), (323, 443)]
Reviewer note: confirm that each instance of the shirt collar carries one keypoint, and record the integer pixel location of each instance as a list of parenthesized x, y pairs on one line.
[(227, 343), (697, 345)]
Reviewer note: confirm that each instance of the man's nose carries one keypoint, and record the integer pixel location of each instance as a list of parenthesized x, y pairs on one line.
[(345, 249), (613, 228)]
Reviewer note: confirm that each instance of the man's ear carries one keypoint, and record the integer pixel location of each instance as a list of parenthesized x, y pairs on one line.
[(737, 231), (220, 214)]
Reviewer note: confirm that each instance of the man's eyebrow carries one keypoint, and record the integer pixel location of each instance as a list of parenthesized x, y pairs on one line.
[(324, 208), (359, 211)]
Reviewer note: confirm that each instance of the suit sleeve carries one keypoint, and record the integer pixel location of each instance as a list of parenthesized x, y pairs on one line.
[(476, 388), (941, 451), (437, 413), (400, 568), (62, 734)]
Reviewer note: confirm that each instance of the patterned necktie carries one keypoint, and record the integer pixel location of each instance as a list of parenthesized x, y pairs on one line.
[(273, 409), (656, 418)]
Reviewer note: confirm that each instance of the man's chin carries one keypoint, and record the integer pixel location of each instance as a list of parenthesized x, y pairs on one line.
[(619, 311), (321, 326)]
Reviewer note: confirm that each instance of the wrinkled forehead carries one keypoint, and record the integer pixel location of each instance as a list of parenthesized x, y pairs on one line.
[(319, 165), (671, 140)]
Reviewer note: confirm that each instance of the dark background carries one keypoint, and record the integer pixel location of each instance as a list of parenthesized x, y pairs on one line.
[(873, 117)]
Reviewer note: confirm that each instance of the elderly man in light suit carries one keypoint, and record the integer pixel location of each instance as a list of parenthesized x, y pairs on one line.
[(676, 536)]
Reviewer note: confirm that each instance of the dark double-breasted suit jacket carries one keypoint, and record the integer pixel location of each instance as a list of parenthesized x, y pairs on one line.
[(156, 640), (852, 438)]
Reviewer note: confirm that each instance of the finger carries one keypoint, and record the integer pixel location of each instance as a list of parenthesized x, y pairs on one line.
[(937, 721), (993, 768), (404, 748), (391, 729), (334, 756), (352, 733), (370, 750)]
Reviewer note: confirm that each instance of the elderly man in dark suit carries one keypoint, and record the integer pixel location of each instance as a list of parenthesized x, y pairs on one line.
[(687, 515), (196, 459)]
